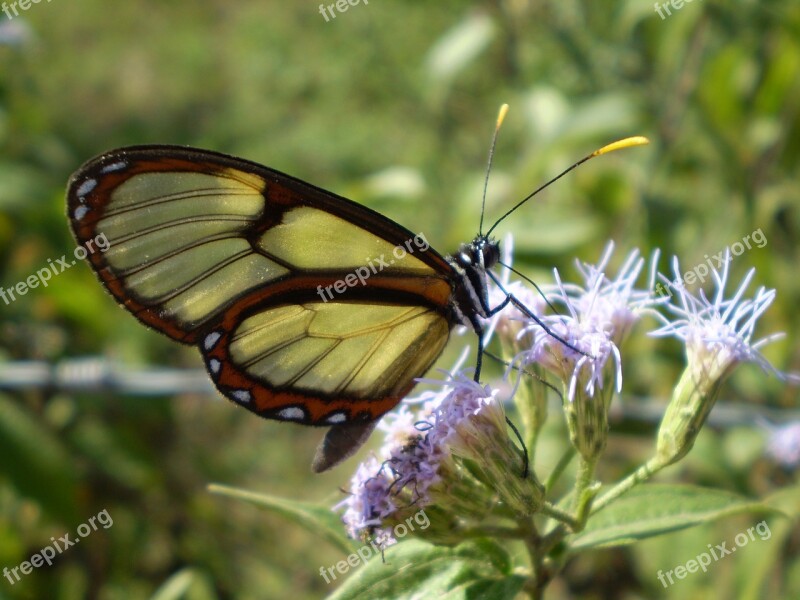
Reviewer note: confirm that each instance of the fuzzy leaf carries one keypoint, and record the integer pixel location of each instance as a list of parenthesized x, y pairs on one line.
[(319, 520), (415, 569), (654, 509)]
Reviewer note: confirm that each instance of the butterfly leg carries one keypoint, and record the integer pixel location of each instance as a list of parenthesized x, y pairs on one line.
[(512, 299), (478, 327)]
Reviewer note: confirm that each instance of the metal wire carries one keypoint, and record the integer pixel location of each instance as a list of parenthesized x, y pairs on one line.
[(97, 375)]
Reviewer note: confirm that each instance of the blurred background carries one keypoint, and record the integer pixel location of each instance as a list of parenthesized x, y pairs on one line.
[(391, 104)]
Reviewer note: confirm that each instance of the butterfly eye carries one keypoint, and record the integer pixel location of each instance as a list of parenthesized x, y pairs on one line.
[(491, 254)]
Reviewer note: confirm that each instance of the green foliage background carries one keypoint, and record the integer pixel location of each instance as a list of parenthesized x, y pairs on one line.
[(392, 104)]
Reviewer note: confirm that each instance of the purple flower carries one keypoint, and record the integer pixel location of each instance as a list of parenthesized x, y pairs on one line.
[(718, 333), (422, 464), (784, 444), (14, 33), (601, 313), (718, 336)]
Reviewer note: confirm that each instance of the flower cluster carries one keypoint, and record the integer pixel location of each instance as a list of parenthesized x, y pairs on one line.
[(454, 450), (454, 455)]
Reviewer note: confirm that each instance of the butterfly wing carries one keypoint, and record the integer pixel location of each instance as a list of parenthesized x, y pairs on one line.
[(261, 271)]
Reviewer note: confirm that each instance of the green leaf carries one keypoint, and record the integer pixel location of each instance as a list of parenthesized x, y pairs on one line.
[(762, 565), (786, 500), (459, 47), (654, 509), (416, 569), (187, 584), (319, 520)]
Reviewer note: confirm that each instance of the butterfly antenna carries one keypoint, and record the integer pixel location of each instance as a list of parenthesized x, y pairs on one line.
[(501, 115), (618, 145)]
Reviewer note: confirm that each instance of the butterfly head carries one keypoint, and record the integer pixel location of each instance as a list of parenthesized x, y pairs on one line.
[(482, 252)]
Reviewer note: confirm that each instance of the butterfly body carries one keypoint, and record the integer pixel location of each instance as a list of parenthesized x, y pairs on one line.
[(306, 307)]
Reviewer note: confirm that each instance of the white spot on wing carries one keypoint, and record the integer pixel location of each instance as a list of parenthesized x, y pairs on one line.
[(211, 340), (293, 413), (241, 396), (117, 166), (86, 187), (337, 417), (80, 212), (214, 365)]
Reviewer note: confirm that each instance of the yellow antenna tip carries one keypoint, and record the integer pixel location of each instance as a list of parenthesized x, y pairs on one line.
[(501, 115), (629, 142)]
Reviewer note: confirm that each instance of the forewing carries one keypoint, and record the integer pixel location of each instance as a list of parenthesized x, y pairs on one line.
[(192, 232)]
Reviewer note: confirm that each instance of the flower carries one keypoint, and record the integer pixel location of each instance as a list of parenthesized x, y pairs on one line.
[(614, 305), (456, 461), (371, 503), (718, 333), (784, 444), (577, 347), (601, 314), (718, 337), (15, 33)]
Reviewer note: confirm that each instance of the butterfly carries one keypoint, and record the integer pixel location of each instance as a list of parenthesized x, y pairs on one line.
[(306, 307)]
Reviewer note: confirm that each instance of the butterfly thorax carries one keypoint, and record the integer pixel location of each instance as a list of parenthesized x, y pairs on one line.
[(470, 300)]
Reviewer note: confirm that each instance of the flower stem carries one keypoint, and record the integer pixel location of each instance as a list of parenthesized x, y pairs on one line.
[(585, 491), (643, 473), (556, 513)]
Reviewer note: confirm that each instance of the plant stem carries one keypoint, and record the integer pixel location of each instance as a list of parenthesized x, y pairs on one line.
[(643, 473), (533, 542), (585, 491), (552, 511)]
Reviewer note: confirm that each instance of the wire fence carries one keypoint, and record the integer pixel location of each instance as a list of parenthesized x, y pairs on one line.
[(96, 375)]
